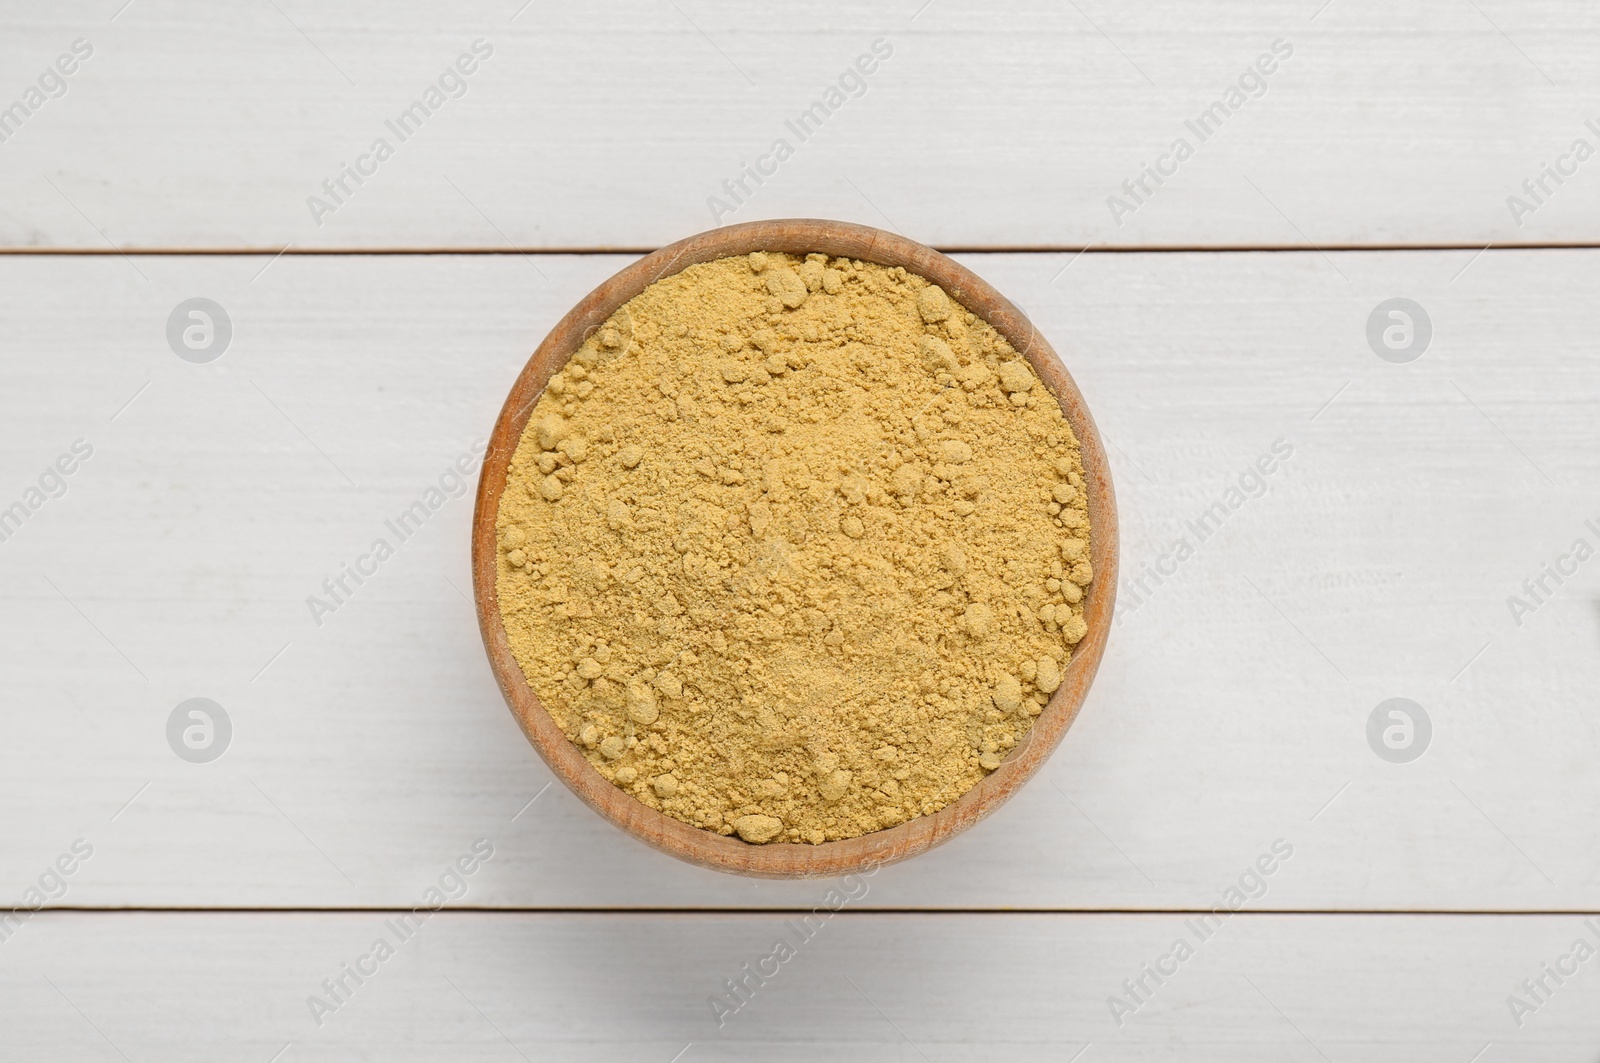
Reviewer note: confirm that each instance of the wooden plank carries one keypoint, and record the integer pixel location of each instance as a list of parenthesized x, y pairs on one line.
[(1231, 709), (863, 987), (198, 126)]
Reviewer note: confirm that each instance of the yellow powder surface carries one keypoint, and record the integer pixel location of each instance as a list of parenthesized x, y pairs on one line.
[(794, 548)]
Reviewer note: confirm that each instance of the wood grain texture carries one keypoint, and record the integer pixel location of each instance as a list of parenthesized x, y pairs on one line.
[(371, 750), (1230, 708), (792, 860), (203, 126), (1391, 989)]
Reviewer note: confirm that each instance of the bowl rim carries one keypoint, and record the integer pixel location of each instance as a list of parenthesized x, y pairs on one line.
[(793, 859)]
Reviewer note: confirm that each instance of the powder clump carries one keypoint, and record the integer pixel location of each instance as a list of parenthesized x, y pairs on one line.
[(795, 548)]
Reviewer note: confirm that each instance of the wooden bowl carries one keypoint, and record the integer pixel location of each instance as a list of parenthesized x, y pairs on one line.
[(794, 860)]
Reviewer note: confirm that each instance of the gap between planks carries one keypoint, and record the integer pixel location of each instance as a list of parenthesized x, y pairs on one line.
[(949, 249), (854, 912)]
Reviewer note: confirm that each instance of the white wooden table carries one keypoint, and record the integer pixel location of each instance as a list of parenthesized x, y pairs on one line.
[(1214, 315)]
